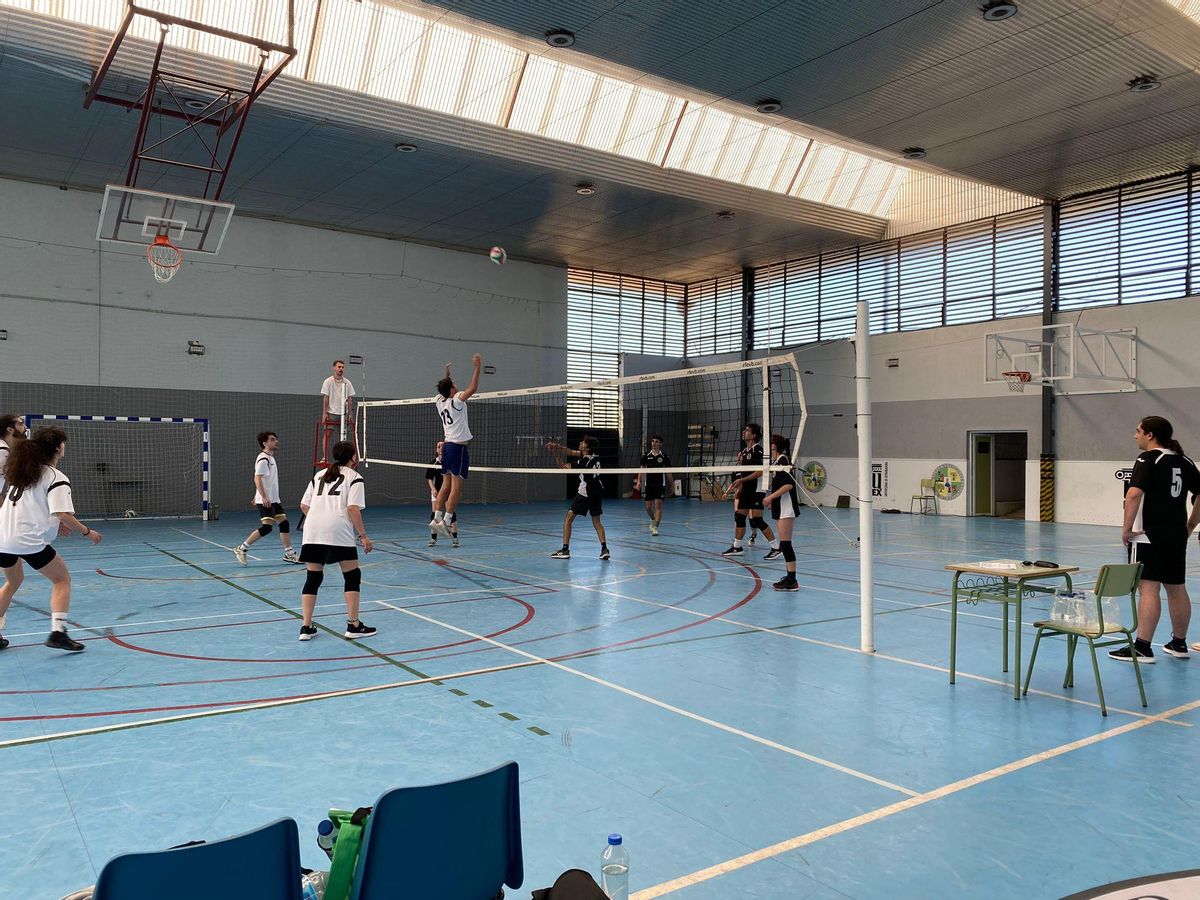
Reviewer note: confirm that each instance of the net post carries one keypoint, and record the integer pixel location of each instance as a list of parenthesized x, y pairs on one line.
[(866, 503), (766, 424)]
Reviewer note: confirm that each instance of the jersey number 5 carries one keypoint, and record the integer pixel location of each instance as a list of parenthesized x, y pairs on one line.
[(333, 486), (1176, 482)]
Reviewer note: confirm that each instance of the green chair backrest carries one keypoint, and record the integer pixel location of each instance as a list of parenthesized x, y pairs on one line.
[(1118, 581)]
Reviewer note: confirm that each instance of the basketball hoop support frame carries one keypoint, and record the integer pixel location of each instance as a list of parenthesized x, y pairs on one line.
[(228, 112)]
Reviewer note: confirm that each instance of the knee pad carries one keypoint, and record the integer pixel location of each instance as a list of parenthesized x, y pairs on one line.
[(789, 555), (739, 519), (264, 529), (284, 527), (759, 523), (312, 583), (353, 580)]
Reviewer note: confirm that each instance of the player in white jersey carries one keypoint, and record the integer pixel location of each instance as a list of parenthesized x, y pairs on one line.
[(332, 505), (266, 498), (36, 502), (456, 460)]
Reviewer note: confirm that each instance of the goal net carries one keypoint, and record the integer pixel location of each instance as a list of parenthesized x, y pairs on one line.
[(134, 466), (699, 413)]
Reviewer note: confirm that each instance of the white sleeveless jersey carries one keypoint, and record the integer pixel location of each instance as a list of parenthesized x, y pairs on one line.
[(453, 413), (27, 520), (266, 468), (327, 521)]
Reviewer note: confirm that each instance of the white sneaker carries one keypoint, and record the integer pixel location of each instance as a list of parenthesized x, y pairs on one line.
[(441, 527), (432, 541), (289, 555), (240, 554), (653, 530)]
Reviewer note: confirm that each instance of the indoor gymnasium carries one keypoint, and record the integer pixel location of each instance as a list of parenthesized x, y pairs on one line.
[(456, 450)]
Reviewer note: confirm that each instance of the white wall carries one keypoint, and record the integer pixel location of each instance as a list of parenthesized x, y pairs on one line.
[(273, 309)]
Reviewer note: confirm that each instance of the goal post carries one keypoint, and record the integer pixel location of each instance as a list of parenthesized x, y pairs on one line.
[(134, 466)]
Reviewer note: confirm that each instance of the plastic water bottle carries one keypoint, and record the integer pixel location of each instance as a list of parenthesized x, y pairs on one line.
[(312, 885), (614, 869), (326, 836)]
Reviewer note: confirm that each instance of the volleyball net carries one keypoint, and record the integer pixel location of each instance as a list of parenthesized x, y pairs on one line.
[(699, 412)]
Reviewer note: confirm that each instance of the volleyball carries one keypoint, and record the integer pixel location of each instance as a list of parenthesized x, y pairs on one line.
[(498, 255), (131, 513)]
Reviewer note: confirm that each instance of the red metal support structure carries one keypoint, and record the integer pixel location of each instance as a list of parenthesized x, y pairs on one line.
[(161, 98)]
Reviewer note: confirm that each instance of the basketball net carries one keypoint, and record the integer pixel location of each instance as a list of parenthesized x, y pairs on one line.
[(1017, 381), (164, 258)]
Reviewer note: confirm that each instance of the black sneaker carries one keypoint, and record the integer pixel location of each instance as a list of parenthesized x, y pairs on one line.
[(604, 552), (787, 583), (733, 551), (1144, 657), (753, 535), (454, 541), (308, 632), (775, 553), (564, 553), (3, 642), (1177, 647), (432, 541), (60, 640), (359, 629)]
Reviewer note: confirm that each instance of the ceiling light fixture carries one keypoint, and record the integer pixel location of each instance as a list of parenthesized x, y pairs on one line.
[(560, 37), (998, 10), (769, 105), (914, 153), (1144, 83), (406, 148), (585, 189), (725, 215)]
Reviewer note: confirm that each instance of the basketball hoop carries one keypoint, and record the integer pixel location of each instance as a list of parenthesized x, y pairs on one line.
[(164, 258), (1017, 381)]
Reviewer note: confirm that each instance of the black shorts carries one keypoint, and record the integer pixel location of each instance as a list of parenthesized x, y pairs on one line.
[(654, 492), (273, 513), (37, 560), (1165, 561), (589, 505), (748, 500), (326, 554)]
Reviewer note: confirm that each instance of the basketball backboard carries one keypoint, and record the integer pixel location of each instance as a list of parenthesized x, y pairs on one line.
[(134, 216), (1072, 359)]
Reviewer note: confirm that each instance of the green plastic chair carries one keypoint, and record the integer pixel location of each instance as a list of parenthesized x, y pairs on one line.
[(1113, 581)]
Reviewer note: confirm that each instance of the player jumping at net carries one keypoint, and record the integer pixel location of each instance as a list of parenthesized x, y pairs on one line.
[(456, 459), (655, 482), (332, 505), (434, 478), (785, 506), (266, 498), (589, 496), (35, 506), (748, 500)]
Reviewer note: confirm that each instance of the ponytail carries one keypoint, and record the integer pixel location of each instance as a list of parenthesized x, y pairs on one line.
[(343, 453), (1162, 431), (28, 458)]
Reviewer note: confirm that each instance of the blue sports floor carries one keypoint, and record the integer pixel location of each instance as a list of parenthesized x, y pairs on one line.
[(736, 736)]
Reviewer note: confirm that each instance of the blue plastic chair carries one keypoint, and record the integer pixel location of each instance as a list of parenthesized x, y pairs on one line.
[(460, 840), (263, 864)]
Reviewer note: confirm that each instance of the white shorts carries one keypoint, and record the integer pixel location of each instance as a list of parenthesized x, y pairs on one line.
[(787, 509)]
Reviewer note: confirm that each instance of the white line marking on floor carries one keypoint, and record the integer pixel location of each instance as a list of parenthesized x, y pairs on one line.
[(661, 704), (812, 837)]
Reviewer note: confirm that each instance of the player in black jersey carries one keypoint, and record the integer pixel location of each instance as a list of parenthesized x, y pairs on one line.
[(589, 494), (433, 478), (748, 499), (1156, 530), (655, 482), (785, 506)]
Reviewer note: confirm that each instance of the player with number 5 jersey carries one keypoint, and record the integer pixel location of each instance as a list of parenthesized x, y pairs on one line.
[(333, 504), (451, 406)]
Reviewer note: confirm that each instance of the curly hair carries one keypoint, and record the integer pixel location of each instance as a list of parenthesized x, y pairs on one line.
[(27, 460)]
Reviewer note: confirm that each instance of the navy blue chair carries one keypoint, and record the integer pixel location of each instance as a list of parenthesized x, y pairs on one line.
[(460, 840), (263, 864)]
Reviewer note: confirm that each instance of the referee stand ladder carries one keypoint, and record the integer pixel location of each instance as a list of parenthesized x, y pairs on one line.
[(327, 433)]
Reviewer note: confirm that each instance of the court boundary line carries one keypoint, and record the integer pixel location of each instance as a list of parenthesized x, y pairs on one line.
[(534, 659), (884, 812)]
